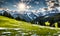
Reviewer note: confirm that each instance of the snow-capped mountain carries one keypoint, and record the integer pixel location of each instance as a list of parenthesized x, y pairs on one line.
[(30, 15), (1, 11)]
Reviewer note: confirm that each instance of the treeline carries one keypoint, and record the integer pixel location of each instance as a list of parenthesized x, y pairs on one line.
[(7, 14), (39, 20), (52, 19)]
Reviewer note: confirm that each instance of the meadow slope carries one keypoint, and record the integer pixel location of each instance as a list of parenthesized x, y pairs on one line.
[(25, 27)]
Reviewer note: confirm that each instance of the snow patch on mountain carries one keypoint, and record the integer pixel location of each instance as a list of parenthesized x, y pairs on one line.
[(31, 15)]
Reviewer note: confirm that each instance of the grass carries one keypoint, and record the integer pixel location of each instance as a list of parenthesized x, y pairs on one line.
[(25, 27)]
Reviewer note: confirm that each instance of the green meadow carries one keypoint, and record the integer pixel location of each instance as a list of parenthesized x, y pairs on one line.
[(12, 27)]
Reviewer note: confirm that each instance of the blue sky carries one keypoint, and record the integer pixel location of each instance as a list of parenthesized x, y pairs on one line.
[(10, 4)]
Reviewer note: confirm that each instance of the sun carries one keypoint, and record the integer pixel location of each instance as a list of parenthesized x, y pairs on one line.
[(22, 6)]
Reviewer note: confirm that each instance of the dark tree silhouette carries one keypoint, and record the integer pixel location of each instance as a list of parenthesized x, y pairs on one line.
[(18, 18), (7, 14), (0, 14)]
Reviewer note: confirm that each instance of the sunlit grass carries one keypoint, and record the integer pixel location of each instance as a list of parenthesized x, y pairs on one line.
[(11, 23)]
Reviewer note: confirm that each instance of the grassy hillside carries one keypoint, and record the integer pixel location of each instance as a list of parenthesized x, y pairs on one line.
[(25, 28)]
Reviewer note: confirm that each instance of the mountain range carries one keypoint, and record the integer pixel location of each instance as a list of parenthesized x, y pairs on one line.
[(30, 15)]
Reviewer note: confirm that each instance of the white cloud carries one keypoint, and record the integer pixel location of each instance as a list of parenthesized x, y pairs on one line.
[(58, 8), (42, 9), (15, 5), (26, 0), (36, 2), (28, 7)]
